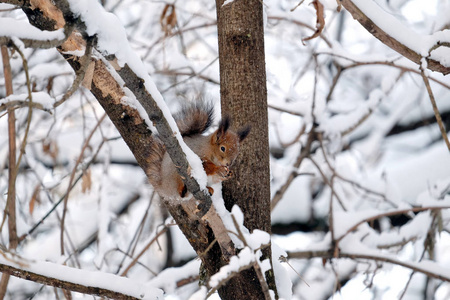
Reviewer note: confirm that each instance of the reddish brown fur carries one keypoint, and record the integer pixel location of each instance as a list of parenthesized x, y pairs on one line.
[(217, 151)]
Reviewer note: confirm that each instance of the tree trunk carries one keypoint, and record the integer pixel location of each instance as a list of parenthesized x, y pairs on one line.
[(244, 97)]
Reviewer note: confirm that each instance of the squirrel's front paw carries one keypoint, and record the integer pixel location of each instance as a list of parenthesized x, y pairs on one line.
[(225, 173)]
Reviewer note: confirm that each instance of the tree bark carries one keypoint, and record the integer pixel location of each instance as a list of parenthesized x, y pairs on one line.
[(244, 97)]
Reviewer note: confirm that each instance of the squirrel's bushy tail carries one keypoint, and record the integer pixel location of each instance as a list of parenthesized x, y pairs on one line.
[(194, 118), (154, 158)]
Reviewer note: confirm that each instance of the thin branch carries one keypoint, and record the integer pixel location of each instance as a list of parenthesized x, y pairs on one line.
[(325, 179), (42, 220), (369, 112), (282, 109), (337, 175), (72, 176), (30, 43), (137, 235), (85, 60), (302, 24), (356, 63), (30, 104), (135, 260), (303, 153), (294, 140), (194, 74), (22, 103), (390, 213), (328, 254), (10, 208), (435, 108), (431, 232)]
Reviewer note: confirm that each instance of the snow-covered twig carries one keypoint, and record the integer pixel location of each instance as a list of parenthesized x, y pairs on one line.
[(394, 34)]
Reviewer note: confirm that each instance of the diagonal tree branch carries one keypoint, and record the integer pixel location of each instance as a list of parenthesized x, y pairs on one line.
[(388, 40)]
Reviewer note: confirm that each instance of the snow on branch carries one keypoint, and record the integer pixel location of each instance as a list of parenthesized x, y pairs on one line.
[(427, 267), (82, 281), (41, 101), (29, 35), (390, 31), (349, 221), (112, 41), (247, 258)]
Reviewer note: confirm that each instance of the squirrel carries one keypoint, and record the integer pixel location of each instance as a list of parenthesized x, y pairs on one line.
[(217, 150)]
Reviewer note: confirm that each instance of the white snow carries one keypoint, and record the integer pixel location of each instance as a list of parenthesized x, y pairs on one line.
[(87, 278), (421, 44), (23, 30), (37, 97)]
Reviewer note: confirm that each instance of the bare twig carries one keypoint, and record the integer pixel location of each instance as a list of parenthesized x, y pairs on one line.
[(30, 105), (21, 103), (72, 176), (294, 140), (327, 182), (137, 234), (295, 7), (328, 254), (30, 43), (194, 74), (282, 109), (303, 153), (135, 260), (392, 63), (75, 181), (391, 213), (85, 60), (435, 108), (302, 24)]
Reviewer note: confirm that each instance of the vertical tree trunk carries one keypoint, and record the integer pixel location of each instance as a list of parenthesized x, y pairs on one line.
[(244, 97)]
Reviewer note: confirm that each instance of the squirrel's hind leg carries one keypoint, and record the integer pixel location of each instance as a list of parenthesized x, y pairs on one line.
[(181, 188), (210, 190)]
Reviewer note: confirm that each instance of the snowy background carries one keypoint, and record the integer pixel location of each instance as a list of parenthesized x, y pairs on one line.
[(381, 165)]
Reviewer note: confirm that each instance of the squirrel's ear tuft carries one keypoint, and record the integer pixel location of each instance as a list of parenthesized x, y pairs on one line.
[(243, 132), (223, 126)]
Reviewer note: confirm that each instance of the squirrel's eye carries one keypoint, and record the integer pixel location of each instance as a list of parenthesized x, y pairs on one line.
[(222, 148)]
